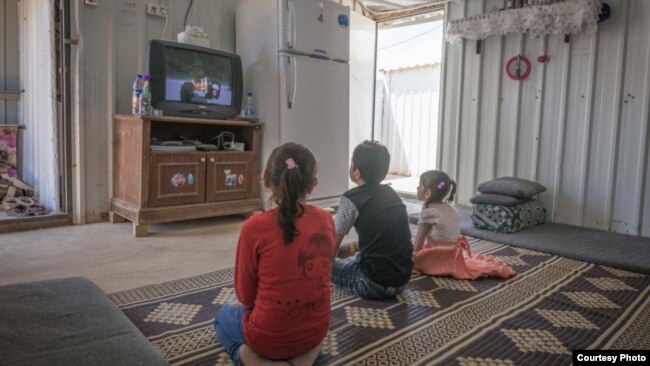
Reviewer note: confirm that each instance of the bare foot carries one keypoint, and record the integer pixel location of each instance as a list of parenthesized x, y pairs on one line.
[(251, 358), (306, 359), (347, 250)]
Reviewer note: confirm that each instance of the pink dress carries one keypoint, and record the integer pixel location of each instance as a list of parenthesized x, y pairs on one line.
[(447, 253)]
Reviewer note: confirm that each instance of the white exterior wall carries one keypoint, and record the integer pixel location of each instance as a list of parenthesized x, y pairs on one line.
[(408, 120), (578, 124)]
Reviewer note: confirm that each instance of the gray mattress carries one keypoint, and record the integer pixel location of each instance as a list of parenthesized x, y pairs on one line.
[(589, 245), (68, 321)]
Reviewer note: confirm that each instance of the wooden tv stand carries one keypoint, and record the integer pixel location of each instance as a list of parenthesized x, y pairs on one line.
[(162, 186)]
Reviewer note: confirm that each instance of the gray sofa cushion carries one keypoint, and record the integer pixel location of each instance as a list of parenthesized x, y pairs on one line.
[(496, 199), (511, 186), (68, 321)]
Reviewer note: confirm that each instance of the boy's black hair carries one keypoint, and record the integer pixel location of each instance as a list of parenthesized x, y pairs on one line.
[(372, 159)]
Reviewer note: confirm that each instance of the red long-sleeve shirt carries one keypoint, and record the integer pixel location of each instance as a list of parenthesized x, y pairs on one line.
[(286, 288)]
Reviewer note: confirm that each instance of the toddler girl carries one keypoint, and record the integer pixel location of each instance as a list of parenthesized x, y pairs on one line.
[(282, 271), (439, 249)]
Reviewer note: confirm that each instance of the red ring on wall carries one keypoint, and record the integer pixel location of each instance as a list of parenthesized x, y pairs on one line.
[(523, 76)]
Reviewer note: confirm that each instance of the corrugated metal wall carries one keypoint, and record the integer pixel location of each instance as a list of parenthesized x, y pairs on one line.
[(113, 38), (37, 111), (578, 124), (9, 80), (408, 122)]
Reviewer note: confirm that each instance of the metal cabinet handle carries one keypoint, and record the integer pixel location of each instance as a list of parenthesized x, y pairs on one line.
[(212, 160), (203, 160)]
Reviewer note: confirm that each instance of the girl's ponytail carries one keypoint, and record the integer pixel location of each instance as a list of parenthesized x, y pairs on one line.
[(452, 192), (290, 172), (287, 200)]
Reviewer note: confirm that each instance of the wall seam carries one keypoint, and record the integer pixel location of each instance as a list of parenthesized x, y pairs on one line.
[(641, 181), (499, 100), (541, 82), (559, 157), (441, 95), (522, 42), (478, 105), (584, 169), (618, 115), (461, 88)]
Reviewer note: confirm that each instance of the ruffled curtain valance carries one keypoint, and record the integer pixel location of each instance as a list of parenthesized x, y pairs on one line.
[(567, 17)]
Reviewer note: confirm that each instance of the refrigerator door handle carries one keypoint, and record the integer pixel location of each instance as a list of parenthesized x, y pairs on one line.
[(291, 39), (294, 66)]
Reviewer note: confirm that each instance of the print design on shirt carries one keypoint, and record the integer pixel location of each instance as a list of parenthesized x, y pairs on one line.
[(315, 262)]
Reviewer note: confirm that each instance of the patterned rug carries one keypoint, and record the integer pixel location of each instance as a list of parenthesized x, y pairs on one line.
[(553, 305)]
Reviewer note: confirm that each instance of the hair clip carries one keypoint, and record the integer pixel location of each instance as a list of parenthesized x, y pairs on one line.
[(441, 185), (290, 163)]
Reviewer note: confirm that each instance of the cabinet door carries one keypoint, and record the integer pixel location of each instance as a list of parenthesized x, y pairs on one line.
[(176, 179), (229, 176)]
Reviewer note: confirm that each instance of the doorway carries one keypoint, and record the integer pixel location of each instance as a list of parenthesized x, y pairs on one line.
[(409, 60), (28, 81)]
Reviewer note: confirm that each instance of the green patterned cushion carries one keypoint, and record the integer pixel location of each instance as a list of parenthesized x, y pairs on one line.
[(508, 219)]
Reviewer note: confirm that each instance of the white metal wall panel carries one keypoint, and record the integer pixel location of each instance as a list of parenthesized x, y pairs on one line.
[(567, 209), (37, 103), (634, 122), (527, 129), (468, 136), (509, 111), (453, 60), (488, 126), (552, 128), (604, 128), (409, 119), (578, 124)]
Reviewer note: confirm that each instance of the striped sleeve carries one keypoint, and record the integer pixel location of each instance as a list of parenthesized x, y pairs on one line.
[(346, 216)]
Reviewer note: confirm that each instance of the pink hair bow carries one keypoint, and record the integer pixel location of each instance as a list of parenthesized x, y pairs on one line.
[(290, 163)]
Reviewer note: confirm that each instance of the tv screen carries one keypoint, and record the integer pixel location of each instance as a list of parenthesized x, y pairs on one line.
[(194, 81), (198, 78)]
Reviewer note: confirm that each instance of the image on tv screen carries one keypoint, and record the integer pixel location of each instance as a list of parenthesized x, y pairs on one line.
[(199, 78)]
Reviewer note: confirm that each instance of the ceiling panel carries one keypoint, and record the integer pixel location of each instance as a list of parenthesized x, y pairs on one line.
[(384, 5)]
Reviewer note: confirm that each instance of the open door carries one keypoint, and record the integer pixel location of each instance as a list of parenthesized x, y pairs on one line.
[(363, 36), (409, 60), (29, 98)]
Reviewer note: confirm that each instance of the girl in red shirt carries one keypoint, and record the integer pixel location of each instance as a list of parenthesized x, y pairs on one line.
[(282, 271)]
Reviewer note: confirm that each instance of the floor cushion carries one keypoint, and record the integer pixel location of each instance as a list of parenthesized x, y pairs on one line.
[(508, 219), (496, 199), (511, 186), (68, 321)]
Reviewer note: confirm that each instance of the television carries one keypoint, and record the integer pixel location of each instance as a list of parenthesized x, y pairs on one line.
[(192, 81)]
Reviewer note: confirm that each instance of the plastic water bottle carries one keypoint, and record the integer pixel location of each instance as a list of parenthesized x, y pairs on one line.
[(249, 111), (137, 91), (145, 97)]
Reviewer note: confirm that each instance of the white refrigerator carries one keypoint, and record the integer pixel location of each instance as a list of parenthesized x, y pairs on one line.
[(295, 60)]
